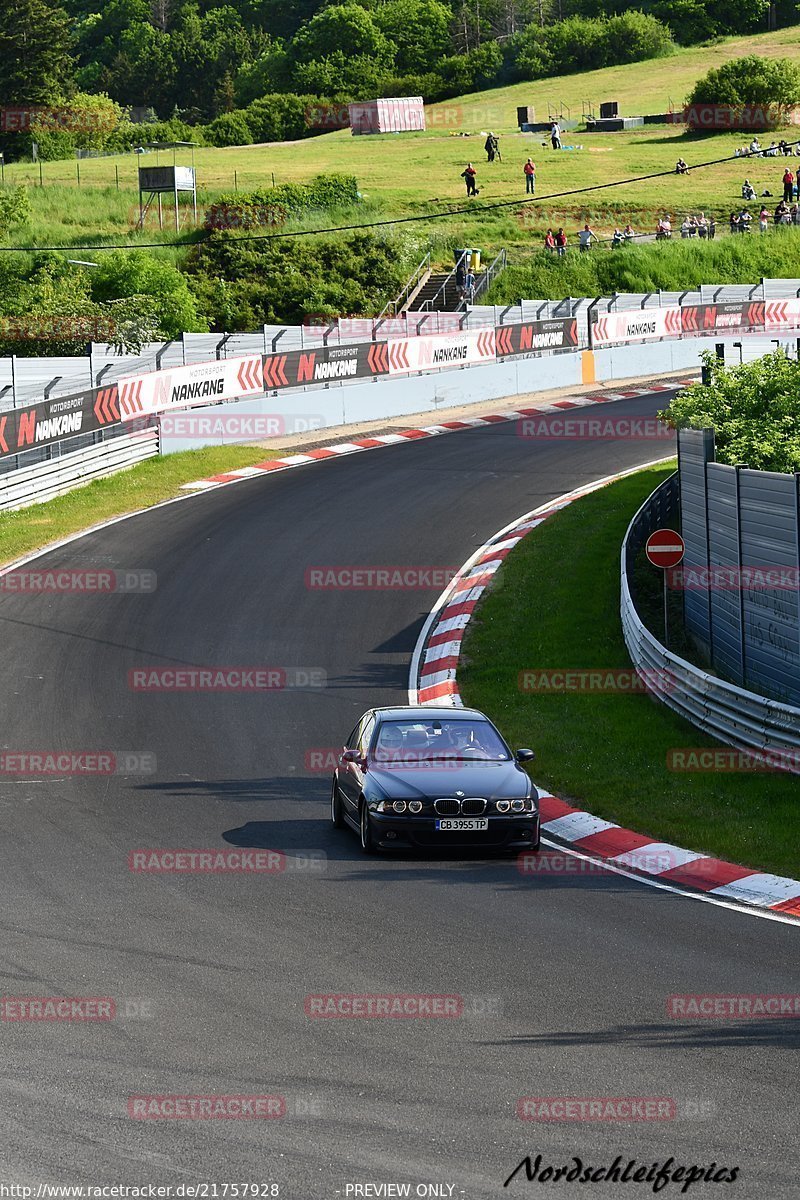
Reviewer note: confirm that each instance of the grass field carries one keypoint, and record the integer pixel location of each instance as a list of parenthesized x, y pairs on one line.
[(555, 604), (408, 174)]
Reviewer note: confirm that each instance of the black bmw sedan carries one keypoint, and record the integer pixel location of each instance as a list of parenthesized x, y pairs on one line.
[(433, 778)]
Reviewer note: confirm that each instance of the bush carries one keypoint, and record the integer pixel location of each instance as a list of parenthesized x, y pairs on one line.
[(15, 208), (751, 80), (243, 284), (271, 206), (230, 129), (282, 118), (754, 410), (126, 274), (581, 43)]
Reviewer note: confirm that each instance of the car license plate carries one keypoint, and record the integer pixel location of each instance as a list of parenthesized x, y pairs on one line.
[(460, 824)]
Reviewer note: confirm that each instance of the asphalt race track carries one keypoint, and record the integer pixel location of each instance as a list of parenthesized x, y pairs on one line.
[(564, 981)]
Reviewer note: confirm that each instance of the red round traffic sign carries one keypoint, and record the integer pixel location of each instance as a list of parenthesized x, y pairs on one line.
[(665, 548)]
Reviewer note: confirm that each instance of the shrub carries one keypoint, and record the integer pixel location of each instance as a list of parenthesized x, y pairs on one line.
[(243, 284), (282, 118), (750, 80), (754, 410), (271, 206), (15, 208), (230, 129)]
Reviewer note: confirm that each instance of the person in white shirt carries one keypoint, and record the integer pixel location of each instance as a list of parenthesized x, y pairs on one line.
[(586, 237)]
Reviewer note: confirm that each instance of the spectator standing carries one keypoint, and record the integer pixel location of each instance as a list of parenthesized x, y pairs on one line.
[(702, 226), (618, 239), (763, 219), (780, 209), (745, 221), (488, 146), (530, 177), (585, 238), (561, 243), (629, 233), (550, 241), (712, 229), (469, 287), (555, 135), (788, 185), (686, 228), (664, 229), (468, 175), (496, 147)]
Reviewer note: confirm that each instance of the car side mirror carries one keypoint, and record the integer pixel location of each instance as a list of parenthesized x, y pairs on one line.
[(351, 756), (524, 756)]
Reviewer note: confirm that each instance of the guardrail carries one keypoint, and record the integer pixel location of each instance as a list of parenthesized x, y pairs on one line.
[(45, 480), (739, 718)]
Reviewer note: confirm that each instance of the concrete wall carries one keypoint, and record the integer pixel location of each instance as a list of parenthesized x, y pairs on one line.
[(376, 400)]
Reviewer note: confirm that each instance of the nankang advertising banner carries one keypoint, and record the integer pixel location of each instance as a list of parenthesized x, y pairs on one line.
[(635, 325), (532, 337), (441, 350), (181, 387), (50, 421)]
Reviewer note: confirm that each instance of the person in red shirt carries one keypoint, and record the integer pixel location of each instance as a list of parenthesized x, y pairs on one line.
[(549, 241), (788, 185), (468, 176), (530, 177)]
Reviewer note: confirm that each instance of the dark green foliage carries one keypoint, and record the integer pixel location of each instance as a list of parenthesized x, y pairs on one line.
[(754, 410)]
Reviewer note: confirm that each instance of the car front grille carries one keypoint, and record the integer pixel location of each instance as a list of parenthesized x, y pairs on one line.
[(472, 806), (447, 808)]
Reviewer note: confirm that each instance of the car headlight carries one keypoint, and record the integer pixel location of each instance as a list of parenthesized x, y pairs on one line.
[(399, 806), (519, 805), (415, 806)]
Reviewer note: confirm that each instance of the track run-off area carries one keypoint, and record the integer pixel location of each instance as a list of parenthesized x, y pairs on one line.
[(562, 984)]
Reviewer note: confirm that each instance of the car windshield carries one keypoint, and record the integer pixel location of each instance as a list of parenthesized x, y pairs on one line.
[(414, 741)]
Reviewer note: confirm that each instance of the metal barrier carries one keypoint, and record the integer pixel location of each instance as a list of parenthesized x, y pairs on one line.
[(45, 480), (738, 718)]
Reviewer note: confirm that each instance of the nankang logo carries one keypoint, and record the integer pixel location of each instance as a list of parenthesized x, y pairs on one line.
[(641, 328), (335, 370), (55, 427), (447, 354), (196, 391)]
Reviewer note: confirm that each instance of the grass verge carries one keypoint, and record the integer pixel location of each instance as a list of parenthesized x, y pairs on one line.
[(554, 605), (142, 486)]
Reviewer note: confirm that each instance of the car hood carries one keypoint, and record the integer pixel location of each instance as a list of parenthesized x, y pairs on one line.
[(493, 780)]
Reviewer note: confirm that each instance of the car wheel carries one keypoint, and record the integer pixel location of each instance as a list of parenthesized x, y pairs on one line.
[(337, 815), (367, 839)]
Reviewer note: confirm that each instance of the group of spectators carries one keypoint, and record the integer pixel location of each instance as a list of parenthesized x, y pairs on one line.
[(774, 150), (469, 174), (784, 214)]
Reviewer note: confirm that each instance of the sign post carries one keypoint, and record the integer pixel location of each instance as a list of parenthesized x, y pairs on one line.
[(665, 549)]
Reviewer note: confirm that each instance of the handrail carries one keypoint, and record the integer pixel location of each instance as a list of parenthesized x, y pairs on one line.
[(430, 305), (489, 275), (396, 304)]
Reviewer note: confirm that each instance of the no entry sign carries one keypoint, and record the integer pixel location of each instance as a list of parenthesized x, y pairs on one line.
[(665, 548)]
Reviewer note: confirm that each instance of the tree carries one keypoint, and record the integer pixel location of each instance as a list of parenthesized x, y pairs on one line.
[(346, 28), (419, 29), (753, 409), (752, 81), (35, 52)]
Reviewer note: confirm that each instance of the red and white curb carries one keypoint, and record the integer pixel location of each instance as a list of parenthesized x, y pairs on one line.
[(621, 851), (413, 435)]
